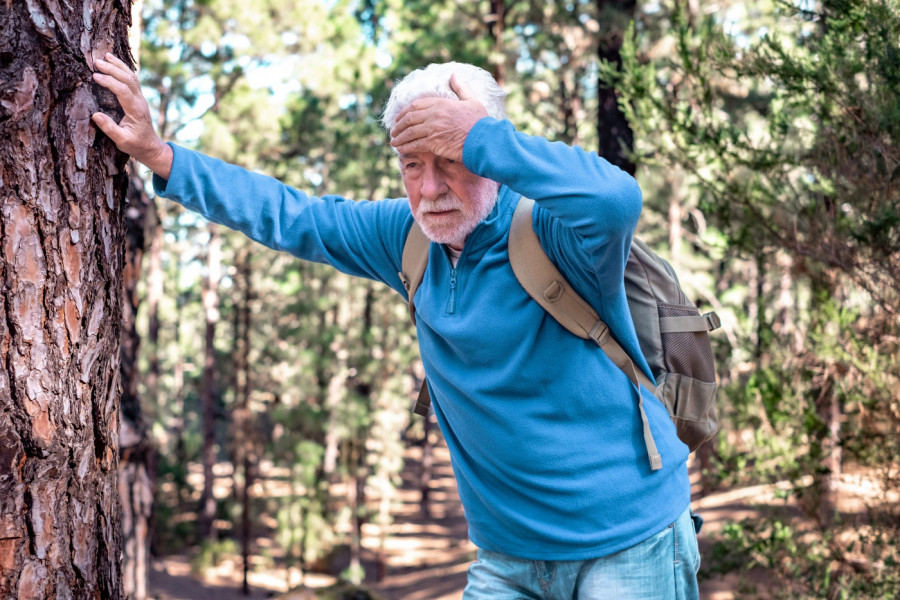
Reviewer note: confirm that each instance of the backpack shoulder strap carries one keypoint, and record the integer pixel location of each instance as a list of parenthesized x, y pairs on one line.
[(543, 281), (549, 288), (412, 270), (413, 263)]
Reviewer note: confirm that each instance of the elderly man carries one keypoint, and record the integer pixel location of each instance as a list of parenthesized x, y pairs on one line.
[(544, 430)]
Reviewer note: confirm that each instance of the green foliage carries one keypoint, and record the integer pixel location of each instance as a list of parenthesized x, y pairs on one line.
[(809, 566), (782, 119), (212, 553), (784, 136)]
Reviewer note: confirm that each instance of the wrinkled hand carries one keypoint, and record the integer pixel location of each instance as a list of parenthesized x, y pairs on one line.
[(438, 125), (134, 134)]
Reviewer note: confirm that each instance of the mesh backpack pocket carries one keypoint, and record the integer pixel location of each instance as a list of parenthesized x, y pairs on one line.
[(686, 352), (687, 384)]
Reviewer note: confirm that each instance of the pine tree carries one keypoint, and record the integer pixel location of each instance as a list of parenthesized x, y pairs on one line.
[(62, 190)]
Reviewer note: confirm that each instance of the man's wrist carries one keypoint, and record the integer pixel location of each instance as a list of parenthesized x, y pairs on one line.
[(160, 162)]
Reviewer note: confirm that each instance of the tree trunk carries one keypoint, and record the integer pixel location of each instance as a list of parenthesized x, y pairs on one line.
[(244, 438), (496, 23), (830, 411), (675, 230), (62, 242), (427, 471), (614, 134), (135, 450), (210, 392), (155, 278)]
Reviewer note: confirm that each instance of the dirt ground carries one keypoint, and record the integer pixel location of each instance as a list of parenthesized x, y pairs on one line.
[(428, 556)]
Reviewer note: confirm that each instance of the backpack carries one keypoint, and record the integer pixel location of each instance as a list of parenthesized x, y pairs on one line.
[(673, 335)]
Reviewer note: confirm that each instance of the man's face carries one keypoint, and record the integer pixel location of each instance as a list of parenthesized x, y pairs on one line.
[(446, 199)]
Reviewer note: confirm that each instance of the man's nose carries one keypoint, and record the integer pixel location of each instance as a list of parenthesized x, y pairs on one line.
[(433, 184)]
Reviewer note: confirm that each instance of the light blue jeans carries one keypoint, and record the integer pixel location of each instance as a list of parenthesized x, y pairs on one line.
[(663, 567)]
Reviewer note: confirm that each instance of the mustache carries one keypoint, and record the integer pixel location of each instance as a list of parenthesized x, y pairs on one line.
[(444, 202)]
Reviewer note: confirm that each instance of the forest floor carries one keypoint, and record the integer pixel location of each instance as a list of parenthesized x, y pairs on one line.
[(427, 556)]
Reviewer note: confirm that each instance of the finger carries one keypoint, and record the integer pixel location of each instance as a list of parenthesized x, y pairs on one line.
[(400, 116), (107, 126), (413, 147), (462, 91), (111, 69), (131, 100), (409, 134), (418, 106), (109, 82), (117, 87), (404, 117), (412, 118), (110, 57), (120, 72)]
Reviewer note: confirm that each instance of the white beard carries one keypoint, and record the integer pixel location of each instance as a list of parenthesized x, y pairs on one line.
[(454, 230)]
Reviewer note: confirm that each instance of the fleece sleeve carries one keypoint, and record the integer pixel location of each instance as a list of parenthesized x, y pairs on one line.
[(359, 238), (590, 207)]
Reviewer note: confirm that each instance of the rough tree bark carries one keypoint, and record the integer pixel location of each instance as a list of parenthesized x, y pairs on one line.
[(61, 242)]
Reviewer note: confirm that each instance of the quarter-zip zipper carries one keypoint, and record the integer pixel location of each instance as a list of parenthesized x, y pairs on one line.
[(451, 308), (452, 290)]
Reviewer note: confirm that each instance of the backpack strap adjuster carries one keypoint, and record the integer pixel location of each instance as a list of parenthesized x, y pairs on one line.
[(599, 333)]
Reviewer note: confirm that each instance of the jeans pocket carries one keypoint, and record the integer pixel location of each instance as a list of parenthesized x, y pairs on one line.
[(697, 520)]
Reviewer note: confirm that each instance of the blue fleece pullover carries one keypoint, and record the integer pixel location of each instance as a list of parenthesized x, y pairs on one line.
[(543, 429)]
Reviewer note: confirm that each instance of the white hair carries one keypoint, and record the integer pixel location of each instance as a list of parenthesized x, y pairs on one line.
[(434, 81)]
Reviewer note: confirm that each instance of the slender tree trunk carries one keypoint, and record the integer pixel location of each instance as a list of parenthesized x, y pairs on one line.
[(427, 472), (496, 24), (210, 391), (243, 422), (178, 401), (135, 451), (62, 186), (336, 395), (354, 452), (614, 134), (830, 411), (755, 312), (675, 231), (154, 295)]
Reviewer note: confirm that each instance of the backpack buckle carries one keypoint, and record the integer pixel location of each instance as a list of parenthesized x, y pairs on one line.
[(554, 291), (599, 333), (712, 321)]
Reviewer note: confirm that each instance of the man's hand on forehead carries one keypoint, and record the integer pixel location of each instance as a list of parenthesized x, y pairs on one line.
[(438, 125)]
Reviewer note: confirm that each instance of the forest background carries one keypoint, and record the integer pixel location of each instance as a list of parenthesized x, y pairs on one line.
[(766, 138)]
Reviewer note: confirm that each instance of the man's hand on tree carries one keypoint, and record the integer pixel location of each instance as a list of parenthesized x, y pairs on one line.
[(438, 125), (134, 134)]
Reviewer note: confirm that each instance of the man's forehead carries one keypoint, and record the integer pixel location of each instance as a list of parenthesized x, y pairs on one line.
[(419, 155)]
